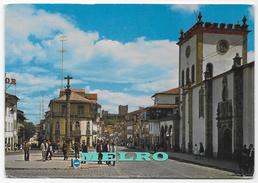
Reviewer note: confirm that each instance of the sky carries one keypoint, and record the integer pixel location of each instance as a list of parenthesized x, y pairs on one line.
[(124, 53)]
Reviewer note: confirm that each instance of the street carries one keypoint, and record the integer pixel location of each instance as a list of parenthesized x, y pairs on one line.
[(58, 168)]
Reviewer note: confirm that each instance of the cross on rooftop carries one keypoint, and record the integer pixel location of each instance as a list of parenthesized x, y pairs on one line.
[(68, 81)]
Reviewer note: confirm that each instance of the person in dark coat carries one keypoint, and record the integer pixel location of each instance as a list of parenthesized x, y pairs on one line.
[(99, 150), (105, 149), (201, 151), (76, 149), (243, 160), (84, 150), (65, 150), (251, 159), (113, 149)]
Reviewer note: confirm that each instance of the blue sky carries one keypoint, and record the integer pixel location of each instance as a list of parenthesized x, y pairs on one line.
[(125, 53)]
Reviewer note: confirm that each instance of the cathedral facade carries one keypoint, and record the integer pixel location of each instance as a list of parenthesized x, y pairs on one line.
[(216, 88)]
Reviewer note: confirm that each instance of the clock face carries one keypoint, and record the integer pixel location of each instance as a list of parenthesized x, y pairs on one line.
[(222, 46), (187, 51)]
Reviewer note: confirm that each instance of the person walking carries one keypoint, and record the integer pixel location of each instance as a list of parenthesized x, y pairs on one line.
[(105, 149), (84, 150), (195, 151), (201, 150), (26, 148), (65, 150), (99, 150), (113, 150), (47, 149), (50, 150), (44, 149), (76, 149)]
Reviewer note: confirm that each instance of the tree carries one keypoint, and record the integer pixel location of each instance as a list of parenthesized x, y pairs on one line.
[(29, 130)]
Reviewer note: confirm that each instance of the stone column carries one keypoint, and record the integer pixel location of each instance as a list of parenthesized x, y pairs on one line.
[(238, 104)]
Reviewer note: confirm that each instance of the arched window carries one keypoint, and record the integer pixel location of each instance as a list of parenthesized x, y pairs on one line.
[(193, 74), (209, 70), (183, 78), (187, 76), (77, 125)]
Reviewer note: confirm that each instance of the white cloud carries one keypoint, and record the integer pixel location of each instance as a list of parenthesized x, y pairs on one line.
[(250, 56), (251, 12), (32, 37), (82, 47), (157, 86), (188, 8)]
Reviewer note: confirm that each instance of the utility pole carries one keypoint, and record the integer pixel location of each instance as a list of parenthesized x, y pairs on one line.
[(68, 112), (62, 39)]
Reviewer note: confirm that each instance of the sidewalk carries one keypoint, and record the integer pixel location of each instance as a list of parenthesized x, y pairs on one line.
[(209, 162), (227, 165)]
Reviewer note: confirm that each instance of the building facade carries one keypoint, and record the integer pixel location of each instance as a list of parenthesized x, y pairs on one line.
[(134, 131), (10, 132), (163, 119), (216, 88), (84, 117)]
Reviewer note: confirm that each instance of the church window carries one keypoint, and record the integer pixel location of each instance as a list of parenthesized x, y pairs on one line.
[(187, 76), (209, 69), (192, 77)]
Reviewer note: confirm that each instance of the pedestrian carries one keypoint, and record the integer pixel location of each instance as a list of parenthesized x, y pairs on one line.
[(50, 150), (84, 150), (243, 160), (108, 150), (44, 148), (155, 148), (105, 149), (99, 150), (113, 150), (65, 150), (76, 149), (251, 159), (195, 151), (201, 150), (26, 148)]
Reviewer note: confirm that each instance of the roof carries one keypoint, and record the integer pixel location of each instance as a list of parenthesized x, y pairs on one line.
[(77, 95), (8, 95), (136, 111), (162, 106), (173, 91), (215, 27)]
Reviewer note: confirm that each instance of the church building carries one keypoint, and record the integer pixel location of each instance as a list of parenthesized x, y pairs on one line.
[(216, 88)]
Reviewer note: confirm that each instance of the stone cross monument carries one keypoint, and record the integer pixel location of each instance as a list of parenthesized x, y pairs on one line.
[(68, 112)]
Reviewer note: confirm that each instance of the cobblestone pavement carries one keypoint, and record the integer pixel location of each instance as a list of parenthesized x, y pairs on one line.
[(58, 168)]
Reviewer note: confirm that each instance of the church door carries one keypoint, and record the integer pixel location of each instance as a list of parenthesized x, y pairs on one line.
[(227, 143)]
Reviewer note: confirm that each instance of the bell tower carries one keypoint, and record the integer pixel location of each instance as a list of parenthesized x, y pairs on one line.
[(209, 45)]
